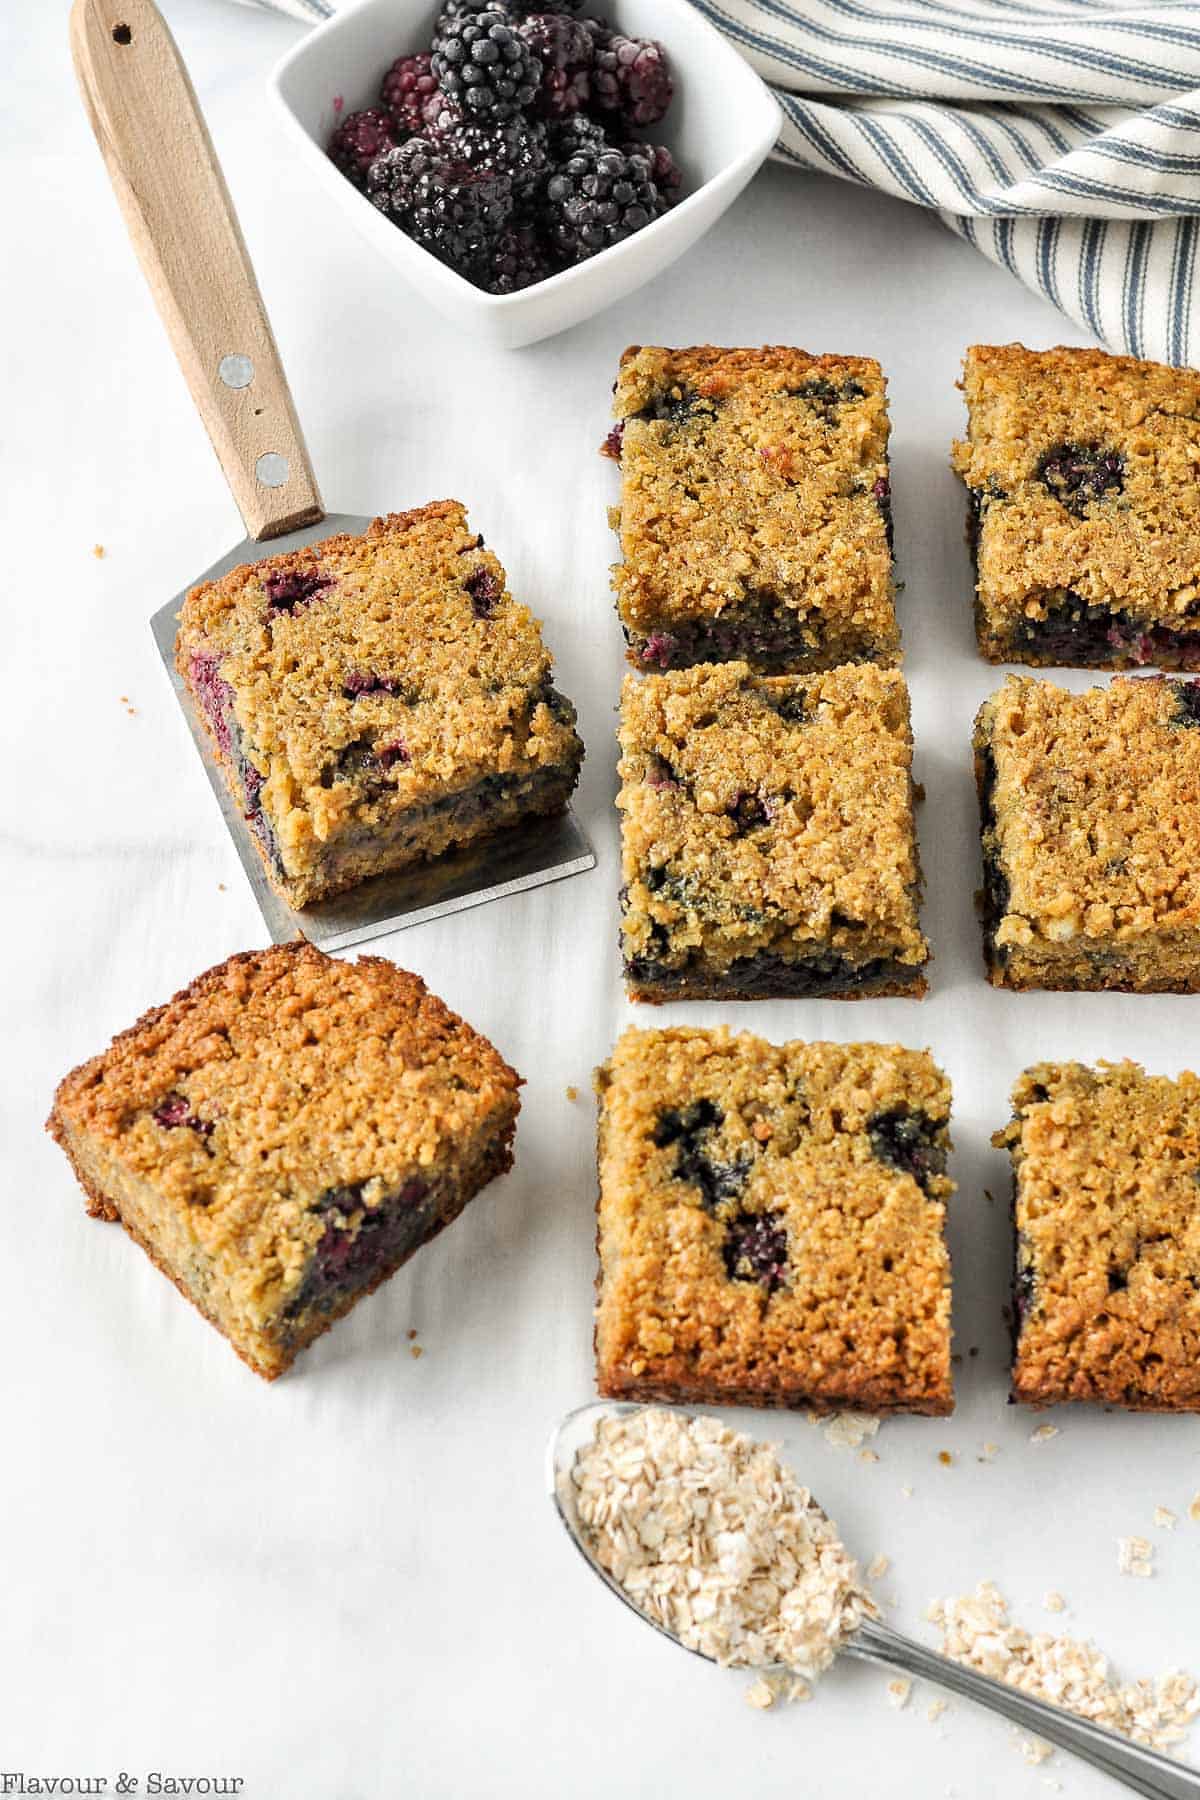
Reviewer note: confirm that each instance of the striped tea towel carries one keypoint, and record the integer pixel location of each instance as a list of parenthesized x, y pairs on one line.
[(1060, 137)]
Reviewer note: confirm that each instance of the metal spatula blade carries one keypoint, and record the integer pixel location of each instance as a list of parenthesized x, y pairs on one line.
[(185, 232)]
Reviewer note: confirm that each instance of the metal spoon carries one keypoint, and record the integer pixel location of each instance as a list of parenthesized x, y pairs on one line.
[(1145, 1771)]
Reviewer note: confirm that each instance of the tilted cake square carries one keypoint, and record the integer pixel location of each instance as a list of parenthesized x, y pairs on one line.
[(286, 1132)]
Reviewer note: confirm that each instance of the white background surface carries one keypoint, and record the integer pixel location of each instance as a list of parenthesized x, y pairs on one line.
[(350, 1584)]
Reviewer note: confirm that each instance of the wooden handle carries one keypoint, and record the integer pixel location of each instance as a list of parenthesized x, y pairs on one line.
[(180, 217)]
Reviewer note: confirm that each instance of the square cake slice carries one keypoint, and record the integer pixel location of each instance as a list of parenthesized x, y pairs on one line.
[(771, 1224), (768, 844), (1084, 507), (1106, 1206), (1090, 810), (755, 517), (284, 1133), (377, 701)]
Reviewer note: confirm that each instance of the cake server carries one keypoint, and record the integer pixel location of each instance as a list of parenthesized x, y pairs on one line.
[(164, 171), (1145, 1771)]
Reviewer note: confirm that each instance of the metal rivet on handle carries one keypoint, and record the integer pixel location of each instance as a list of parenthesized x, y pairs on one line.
[(272, 469), (236, 371)]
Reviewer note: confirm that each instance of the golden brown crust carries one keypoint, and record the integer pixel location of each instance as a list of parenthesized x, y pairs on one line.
[(1091, 835), (1129, 544), (294, 1077), (768, 817), (858, 1312), (408, 674), (753, 507), (1106, 1167)]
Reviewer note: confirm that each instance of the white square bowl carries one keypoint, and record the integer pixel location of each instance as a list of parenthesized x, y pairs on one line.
[(721, 126)]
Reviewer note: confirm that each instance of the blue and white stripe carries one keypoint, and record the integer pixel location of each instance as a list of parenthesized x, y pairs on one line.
[(1060, 137)]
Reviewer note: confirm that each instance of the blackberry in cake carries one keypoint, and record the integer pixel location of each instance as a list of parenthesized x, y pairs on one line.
[(1106, 1291), (286, 1132), (772, 1224), (1091, 835), (377, 701), (755, 517), (767, 836), (1084, 508)]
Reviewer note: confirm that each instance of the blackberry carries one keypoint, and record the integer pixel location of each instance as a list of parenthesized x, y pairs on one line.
[(453, 10), (484, 66), (455, 212), (755, 1249), (566, 51), (1077, 474), (516, 148), (411, 94), (665, 172), (630, 76), (358, 140), (518, 261), (909, 1141), (597, 198)]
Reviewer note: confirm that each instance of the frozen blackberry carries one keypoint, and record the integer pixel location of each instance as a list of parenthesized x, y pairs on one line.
[(480, 61), (597, 198), (565, 49), (665, 172), (517, 9), (518, 261), (359, 140), (516, 148), (630, 76), (456, 212), (411, 94)]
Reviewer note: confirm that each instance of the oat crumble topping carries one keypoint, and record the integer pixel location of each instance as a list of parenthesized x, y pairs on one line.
[(713, 1538), (1164, 1518), (1135, 1556)]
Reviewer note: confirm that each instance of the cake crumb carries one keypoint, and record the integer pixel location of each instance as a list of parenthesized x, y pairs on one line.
[(1054, 1601), (572, 1093), (946, 1458), (846, 1431), (1043, 1434), (1068, 1672), (221, 888), (1165, 1519), (988, 1452), (1135, 1556), (413, 1332), (878, 1567), (1194, 1509), (899, 1692), (99, 552), (936, 1709), (415, 1350)]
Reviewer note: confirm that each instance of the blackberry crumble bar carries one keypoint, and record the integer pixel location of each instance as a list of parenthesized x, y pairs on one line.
[(1084, 507), (755, 516), (286, 1132), (377, 701), (1106, 1200), (771, 1224), (768, 844), (1091, 835)]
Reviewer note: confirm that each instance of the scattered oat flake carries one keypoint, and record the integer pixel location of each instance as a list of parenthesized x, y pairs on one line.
[(899, 1692), (712, 1537), (1043, 1434), (878, 1567), (1035, 1750), (1054, 1601), (906, 1492), (1194, 1509), (846, 1431), (760, 1695), (415, 1350), (572, 1093), (1050, 1782), (99, 552), (1165, 1519), (936, 1709), (1069, 1672), (798, 1691), (1135, 1556), (221, 887), (988, 1452), (868, 1456)]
